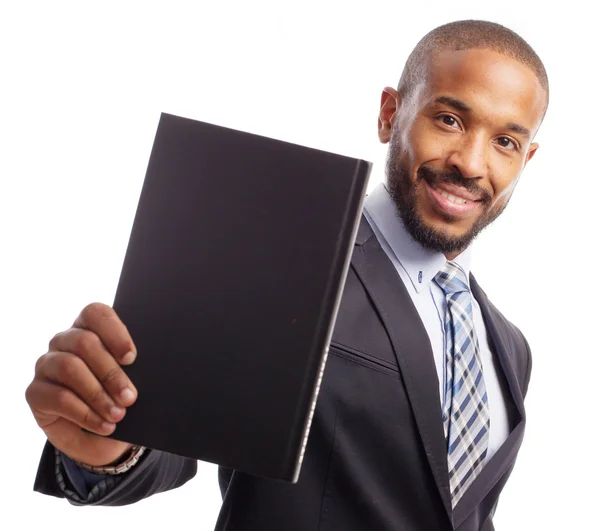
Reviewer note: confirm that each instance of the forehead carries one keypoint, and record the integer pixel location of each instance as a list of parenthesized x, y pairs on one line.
[(492, 84)]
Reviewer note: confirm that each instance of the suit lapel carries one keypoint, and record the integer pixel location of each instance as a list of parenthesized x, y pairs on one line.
[(411, 346), (499, 343)]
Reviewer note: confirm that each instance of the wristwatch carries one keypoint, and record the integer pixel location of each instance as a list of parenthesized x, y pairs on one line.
[(134, 456)]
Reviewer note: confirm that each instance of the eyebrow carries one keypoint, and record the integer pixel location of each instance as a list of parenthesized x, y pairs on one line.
[(519, 129), (462, 106), (452, 102)]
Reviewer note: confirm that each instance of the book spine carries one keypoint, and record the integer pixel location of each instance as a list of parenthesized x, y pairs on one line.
[(345, 241)]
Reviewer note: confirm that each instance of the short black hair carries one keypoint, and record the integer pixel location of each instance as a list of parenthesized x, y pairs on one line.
[(467, 35)]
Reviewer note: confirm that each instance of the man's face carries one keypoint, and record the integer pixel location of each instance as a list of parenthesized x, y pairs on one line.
[(459, 143)]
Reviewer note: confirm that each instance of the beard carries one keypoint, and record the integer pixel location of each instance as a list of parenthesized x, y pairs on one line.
[(403, 191)]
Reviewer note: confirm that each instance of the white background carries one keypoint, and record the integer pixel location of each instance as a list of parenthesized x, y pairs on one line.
[(82, 85)]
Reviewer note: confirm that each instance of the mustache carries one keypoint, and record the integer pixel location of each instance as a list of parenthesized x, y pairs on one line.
[(432, 176)]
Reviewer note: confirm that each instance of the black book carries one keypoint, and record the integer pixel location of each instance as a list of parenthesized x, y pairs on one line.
[(230, 288)]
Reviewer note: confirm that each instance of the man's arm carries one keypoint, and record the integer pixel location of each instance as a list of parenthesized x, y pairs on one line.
[(78, 394)]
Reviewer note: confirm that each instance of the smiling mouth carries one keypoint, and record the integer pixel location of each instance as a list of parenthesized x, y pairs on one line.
[(456, 194), (453, 204), (453, 198)]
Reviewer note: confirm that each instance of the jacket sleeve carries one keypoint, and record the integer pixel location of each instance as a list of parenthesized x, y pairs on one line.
[(155, 472)]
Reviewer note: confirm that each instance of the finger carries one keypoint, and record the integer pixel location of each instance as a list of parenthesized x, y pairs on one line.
[(49, 402), (72, 372), (88, 346), (105, 323)]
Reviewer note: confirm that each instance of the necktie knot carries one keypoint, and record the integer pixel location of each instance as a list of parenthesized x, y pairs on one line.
[(452, 279)]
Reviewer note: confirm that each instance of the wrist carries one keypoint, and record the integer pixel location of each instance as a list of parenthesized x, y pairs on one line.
[(120, 466)]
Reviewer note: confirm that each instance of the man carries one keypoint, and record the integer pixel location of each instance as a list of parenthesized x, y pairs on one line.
[(420, 414)]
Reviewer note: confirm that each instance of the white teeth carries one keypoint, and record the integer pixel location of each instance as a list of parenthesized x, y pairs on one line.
[(453, 198)]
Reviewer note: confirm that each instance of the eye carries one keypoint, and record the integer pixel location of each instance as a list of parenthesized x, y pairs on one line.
[(448, 119), (507, 143)]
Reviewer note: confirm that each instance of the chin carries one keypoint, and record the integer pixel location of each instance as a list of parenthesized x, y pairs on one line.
[(438, 236), (445, 224), (448, 230), (453, 240)]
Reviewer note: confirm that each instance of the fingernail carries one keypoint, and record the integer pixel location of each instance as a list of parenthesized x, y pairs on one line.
[(129, 358), (127, 395), (107, 426), (116, 412)]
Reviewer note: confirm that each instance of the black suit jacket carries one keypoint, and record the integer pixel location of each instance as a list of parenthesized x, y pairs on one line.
[(376, 456)]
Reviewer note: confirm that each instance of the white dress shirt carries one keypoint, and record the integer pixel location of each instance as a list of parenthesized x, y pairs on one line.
[(417, 268)]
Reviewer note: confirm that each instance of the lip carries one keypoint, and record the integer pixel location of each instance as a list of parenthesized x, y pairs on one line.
[(449, 207), (458, 191)]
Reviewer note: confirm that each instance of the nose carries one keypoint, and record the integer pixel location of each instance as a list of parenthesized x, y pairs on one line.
[(469, 157)]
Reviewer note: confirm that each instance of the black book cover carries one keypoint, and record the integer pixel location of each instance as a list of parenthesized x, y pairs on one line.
[(230, 287)]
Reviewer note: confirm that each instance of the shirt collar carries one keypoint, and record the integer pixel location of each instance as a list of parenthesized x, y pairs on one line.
[(420, 264)]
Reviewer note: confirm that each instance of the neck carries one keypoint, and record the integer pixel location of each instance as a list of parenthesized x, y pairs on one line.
[(452, 256)]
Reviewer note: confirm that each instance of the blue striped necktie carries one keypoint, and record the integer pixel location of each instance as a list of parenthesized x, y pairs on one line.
[(465, 412)]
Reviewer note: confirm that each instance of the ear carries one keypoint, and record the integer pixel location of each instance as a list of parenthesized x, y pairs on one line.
[(390, 102), (532, 150)]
